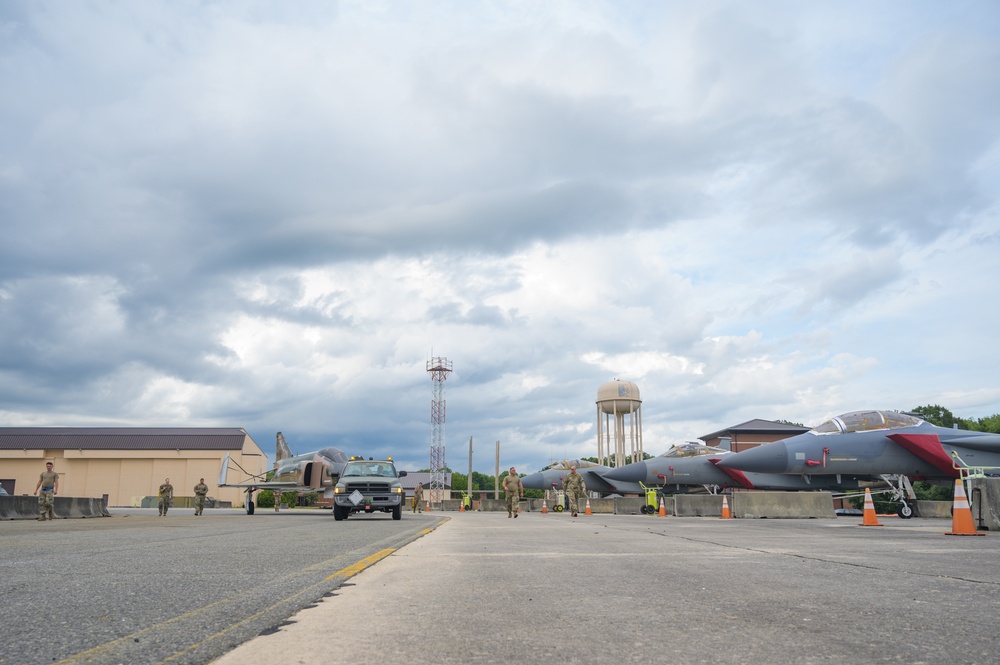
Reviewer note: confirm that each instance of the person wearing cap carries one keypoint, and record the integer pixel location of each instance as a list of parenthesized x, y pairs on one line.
[(575, 489), (515, 490), (166, 497), (418, 498), (200, 492), (48, 482)]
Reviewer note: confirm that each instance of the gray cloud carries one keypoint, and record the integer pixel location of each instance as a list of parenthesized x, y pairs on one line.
[(269, 216)]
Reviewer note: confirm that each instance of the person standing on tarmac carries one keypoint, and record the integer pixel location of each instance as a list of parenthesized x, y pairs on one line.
[(418, 498), (575, 489), (48, 481), (166, 496), (515, 490), (200, 492)]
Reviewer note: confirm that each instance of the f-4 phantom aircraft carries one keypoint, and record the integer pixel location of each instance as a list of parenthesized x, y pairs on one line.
[(310, 472), (896, 446), (690, 464), (592, 476)]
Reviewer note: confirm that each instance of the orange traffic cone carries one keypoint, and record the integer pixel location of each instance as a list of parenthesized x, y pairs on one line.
[(428, 506), (961, 514), (870, 519), (725, 509), (544, 508), (461, 506), (587, 509), (663, 509)]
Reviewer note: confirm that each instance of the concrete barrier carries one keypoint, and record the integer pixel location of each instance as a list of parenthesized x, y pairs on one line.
[(984, 499), (692, 505), (780, 505), (934, 509), (26, 507), (629, 506)]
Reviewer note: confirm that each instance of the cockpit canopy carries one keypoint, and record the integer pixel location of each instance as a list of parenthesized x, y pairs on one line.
[(692, 449), (564, 465), (863, 421)]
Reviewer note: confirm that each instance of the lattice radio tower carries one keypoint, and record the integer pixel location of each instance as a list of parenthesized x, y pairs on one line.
[(439, 368)]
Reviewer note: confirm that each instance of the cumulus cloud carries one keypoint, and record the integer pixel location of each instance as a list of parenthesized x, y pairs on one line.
[(271, 216)]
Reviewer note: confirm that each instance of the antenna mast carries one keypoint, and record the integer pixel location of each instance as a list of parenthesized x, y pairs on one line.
[(439, 368)]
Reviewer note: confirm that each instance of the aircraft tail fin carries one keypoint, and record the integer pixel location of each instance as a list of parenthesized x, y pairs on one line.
[(281, 450), (224, 471)]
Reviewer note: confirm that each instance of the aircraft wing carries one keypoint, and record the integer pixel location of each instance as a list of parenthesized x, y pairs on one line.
[(256, 482), (928, 448)]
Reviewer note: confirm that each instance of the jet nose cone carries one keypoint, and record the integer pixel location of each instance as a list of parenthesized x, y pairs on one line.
[(768, 458), (630, 473), (534, 481)]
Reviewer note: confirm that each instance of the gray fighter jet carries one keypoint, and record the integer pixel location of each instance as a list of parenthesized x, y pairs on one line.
[(693, 465), (897, 446), (315, 471), (551, 477)]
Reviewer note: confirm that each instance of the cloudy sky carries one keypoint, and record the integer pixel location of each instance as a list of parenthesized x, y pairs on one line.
[(272, 215)]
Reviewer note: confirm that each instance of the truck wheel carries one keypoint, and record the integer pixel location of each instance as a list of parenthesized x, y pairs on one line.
[(339, 514), (397, 513)]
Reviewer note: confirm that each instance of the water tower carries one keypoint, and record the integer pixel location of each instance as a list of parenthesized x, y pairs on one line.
[(619, 417)]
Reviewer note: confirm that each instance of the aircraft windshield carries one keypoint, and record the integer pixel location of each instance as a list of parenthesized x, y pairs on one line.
[(369, 469), (863, 421), (691, 449), (567, 463)]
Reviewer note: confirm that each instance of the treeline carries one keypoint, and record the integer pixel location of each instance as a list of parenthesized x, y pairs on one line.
[(936, 414)]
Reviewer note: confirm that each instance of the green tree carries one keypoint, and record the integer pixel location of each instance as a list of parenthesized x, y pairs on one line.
[(990, 424), (936, 414), (265, 499)]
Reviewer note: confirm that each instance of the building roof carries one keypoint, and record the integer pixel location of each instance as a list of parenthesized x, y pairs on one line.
[(122, 438), (757, 426)]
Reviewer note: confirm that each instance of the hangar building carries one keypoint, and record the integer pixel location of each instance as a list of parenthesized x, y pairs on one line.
[(126, 463)]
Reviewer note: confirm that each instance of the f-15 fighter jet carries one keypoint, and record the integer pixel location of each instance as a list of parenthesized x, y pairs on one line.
[(692, 464), (880, 443)]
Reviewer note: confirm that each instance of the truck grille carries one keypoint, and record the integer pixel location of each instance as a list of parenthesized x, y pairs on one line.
[(368, 488)]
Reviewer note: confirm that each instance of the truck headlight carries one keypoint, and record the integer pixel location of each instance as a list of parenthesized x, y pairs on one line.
[(338, 490), (397, 490)]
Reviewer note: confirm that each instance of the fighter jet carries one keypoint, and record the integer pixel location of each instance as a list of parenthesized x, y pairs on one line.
[(897, 446), (691, 465), (592, 473), (316, 471)]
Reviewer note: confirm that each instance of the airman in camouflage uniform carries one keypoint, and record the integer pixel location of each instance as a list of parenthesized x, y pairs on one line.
[(166, 497), (200, 492), (515, 490), (418, 498), (575, 488), (48, 481)]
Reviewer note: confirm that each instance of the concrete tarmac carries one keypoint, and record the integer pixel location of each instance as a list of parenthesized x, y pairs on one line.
[(640, 589)]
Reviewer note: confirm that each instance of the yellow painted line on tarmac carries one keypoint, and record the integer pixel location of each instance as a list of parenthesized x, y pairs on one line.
[(343, 573), (356, 568)]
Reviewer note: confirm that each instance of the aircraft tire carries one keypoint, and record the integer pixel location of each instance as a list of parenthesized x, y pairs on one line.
[(905, 511), (250, 507)]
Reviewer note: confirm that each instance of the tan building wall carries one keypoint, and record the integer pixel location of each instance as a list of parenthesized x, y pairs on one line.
[(128, 475)]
